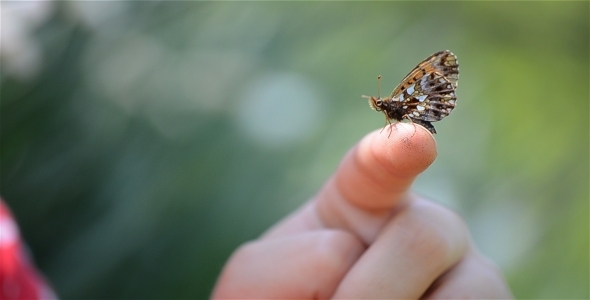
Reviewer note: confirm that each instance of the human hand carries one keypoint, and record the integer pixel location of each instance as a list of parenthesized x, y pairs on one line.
[(364, 235)]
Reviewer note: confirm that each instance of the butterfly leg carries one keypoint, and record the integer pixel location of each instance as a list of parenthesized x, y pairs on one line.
[(387, 121)]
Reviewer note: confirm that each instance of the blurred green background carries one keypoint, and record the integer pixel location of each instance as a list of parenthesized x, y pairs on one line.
[(141, 142)]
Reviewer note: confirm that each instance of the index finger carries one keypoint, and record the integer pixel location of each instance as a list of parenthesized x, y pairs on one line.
[(374, 178)]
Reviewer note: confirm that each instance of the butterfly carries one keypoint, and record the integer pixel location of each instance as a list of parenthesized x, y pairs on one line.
[(426, 94)]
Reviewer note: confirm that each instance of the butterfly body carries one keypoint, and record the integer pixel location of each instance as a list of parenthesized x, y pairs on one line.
[(426, 94)]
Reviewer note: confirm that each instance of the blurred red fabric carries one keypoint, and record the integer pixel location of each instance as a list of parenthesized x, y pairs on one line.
[(19, 279)]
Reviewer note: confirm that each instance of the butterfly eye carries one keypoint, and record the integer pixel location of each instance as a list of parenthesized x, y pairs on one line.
[(378, 102)]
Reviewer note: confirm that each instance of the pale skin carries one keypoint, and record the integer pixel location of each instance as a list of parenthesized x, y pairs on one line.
[(366, 236)]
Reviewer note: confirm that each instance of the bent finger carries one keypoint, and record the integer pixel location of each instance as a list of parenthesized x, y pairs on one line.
[(303, 266), (474, 277), (417, 246)]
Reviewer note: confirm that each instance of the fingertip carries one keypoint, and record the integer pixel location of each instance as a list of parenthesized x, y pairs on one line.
[(404, 149)]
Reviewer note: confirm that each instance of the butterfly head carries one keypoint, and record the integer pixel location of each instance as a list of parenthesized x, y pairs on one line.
[(376, 103)]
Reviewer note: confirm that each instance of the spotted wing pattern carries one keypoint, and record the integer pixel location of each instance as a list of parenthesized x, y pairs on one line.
[(442, 62), (427, 93), (431, 98)]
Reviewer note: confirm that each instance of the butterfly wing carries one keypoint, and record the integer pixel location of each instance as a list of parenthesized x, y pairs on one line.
[(433, 98), (443, 62)]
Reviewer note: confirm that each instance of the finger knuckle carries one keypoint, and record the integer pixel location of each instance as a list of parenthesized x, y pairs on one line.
[(334, 249), (440, 235)]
